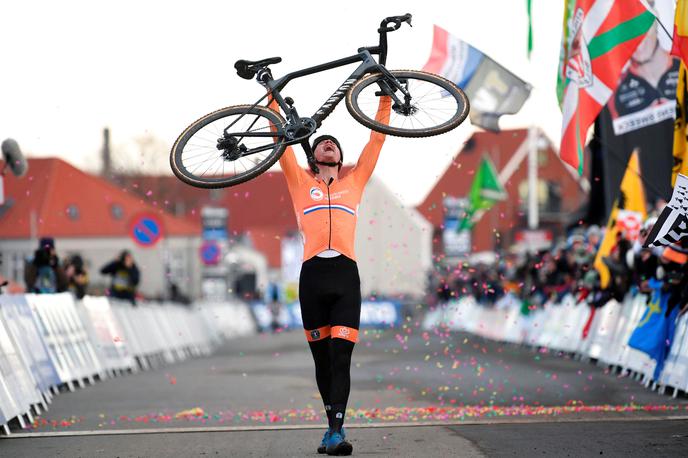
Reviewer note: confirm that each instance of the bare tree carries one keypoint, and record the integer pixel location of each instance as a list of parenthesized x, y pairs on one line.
[(146, 154)]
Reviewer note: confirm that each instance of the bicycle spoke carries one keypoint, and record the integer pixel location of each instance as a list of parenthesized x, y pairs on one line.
[(200, 156), (429, 115)]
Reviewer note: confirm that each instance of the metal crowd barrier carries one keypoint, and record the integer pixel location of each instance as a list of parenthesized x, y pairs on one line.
[(52, 341), (559, 327)]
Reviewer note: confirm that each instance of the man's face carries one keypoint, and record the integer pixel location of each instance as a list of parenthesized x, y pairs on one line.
[(327, 151)]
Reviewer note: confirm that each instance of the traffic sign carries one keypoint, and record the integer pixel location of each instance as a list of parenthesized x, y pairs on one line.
[(210, 253), (146, 229)]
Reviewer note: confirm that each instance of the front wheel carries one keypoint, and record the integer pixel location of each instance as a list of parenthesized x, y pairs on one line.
[(228, 146), (433, 106)]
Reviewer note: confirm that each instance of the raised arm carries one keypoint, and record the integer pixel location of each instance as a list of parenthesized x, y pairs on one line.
[(366, 162), (292, 170)]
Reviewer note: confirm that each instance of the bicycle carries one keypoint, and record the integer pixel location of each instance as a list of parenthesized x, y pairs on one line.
[(253, 137)]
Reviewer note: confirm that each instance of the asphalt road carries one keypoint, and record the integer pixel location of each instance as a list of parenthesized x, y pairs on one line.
[(413, 394)]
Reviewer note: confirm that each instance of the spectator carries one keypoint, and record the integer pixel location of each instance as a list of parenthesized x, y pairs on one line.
[(43, 274), (77, 277), (176, 295), (274, 305), (125, 277)]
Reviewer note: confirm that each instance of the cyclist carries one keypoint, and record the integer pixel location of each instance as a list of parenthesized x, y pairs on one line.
[(326, 207)]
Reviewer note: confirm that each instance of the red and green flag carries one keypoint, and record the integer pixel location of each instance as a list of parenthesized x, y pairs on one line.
[(599, 38)]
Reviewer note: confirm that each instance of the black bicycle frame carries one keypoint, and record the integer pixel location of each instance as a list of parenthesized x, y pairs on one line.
[(368, 65)]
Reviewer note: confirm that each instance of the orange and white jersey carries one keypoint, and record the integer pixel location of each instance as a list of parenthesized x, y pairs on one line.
[(327, 212)]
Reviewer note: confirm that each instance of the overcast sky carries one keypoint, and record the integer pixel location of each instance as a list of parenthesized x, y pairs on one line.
[(71, 68)]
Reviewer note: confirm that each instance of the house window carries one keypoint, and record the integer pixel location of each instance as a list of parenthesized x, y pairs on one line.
[(116, 211), (549, 195), (17, 261), (73, 212)]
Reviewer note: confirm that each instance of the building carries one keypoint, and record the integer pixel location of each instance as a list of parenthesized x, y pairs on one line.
[(90, 216), (560, 192), (393, 242)]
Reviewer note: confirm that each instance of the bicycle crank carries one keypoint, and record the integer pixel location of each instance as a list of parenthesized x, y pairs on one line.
[(300, 130)]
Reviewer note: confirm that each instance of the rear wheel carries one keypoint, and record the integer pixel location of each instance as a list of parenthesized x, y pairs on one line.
[(435, 106), (228, 146)]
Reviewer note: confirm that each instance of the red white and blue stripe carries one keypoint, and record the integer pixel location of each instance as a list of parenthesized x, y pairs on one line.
[(343, 208)]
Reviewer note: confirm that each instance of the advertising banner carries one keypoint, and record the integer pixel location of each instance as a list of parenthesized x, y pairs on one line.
[(456, 237), (21, 325), (640, 115)]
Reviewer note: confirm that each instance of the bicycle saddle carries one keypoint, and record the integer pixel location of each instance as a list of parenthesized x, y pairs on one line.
[(247, 69)]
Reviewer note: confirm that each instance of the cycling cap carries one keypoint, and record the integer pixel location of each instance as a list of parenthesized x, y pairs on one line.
[(322, 138)]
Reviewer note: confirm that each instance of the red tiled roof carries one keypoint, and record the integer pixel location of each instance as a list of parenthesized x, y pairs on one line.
[(505, 216), (262, 206), (456, 180), (52, 188)]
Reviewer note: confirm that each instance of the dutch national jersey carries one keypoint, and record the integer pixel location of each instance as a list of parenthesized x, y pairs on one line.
[(327, 214)]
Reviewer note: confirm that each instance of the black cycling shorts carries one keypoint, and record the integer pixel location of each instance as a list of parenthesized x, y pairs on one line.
[(330, 297)]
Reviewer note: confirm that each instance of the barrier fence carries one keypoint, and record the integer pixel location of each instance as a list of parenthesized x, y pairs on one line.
[(376, 314), (560, 327), (50, 341)]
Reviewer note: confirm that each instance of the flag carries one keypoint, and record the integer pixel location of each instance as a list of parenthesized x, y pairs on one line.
[(486, 190), (529, 6), (672, 224), (680, 47), (599, 38), (493, 90), (631, 200), (680, 150), (655, 330)]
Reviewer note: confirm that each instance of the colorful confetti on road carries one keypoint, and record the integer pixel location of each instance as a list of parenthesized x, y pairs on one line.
[(360, 416)]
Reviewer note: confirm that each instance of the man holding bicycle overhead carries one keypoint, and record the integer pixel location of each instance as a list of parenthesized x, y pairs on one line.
[(326, 207)]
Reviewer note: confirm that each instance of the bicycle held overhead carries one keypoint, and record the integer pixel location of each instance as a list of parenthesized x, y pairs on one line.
[(237, 143)]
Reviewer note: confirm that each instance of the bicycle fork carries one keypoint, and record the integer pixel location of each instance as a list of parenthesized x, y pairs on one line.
[(404, 107)]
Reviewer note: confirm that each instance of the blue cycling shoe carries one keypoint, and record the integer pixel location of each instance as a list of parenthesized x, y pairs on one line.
[(337, 446), (323, 444), (326, 437)]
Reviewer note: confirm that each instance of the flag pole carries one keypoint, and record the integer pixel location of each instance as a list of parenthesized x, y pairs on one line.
[(533, 215)]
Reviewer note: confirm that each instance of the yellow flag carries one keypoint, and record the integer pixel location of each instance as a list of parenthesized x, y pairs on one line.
[(681, 126), (631, 199)]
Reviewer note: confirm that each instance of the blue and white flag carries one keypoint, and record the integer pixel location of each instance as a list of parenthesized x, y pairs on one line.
[(492, 89)]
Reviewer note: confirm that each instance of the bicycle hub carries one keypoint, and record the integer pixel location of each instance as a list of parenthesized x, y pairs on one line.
[(231, 150)]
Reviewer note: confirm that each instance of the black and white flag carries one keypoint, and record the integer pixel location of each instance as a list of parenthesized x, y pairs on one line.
[(672, 224)]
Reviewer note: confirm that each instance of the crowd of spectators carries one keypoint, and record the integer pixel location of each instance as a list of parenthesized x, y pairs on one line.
[(568, 267)]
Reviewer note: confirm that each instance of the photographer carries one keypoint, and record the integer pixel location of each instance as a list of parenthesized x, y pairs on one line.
[(125, 277), (77, 277), (43, 275)]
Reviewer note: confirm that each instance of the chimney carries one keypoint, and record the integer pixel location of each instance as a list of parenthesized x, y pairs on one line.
[(107, 163)]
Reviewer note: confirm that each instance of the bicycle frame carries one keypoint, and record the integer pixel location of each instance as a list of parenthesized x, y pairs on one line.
[(302, 132), (368, 65)]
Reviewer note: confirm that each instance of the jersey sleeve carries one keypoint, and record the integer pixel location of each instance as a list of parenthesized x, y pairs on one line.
[(291, 169), (366, 162)]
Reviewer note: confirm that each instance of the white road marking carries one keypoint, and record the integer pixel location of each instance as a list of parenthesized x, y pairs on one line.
[(226, 429)]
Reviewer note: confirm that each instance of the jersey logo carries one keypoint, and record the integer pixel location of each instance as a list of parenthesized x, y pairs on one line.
[(315, 334), (316, 193), (344, 332)]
